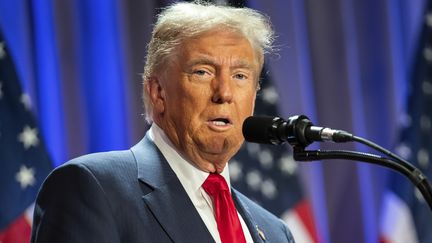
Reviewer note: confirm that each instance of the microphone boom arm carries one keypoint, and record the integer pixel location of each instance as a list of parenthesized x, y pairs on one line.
[(407, 169)]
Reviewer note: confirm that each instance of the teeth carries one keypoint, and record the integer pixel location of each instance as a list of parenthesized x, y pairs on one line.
[(219, 123)]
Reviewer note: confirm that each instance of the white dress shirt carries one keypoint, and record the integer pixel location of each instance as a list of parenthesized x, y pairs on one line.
[(191, 179)]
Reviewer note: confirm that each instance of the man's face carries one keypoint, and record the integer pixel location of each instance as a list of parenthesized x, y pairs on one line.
[(205, 94)]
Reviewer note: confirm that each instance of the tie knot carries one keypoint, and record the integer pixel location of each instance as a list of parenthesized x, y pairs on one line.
[(214, 184)]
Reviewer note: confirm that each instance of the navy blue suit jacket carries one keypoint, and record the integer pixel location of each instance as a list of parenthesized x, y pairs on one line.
[(131, 196)]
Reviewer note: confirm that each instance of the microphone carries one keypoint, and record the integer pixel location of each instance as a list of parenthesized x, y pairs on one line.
[(296, 130)]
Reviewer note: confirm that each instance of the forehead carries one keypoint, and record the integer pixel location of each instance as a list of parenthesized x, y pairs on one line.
[(219, 46)]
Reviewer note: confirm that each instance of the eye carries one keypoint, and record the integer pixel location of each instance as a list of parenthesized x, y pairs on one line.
[(240, 76), (200, 72)]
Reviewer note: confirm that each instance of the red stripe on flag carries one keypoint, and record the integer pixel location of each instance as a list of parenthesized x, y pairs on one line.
[(383, 239), (18, 232), (304, 211)]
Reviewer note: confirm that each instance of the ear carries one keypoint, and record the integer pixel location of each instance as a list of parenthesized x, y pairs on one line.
[(156, 94)]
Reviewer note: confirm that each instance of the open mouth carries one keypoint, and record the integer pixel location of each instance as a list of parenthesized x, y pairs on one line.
[(220, 121)]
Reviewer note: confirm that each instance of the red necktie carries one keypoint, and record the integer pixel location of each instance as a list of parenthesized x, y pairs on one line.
[(228, 223)]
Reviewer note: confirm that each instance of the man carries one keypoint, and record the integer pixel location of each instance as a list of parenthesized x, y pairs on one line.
[(200, 83)]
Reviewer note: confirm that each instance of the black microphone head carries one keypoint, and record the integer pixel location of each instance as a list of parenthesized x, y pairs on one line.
[(258, 129)]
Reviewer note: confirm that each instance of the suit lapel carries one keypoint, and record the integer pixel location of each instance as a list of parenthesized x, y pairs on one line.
[(258, 235), (168, 201)]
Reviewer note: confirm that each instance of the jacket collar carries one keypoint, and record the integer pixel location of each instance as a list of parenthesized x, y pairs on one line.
[(168, 200), (258, 235)]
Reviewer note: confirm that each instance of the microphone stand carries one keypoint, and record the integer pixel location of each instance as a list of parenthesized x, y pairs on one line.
[(402, 166), (299, 132)]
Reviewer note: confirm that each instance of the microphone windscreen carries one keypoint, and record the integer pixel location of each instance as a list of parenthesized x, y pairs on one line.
[(256, 129)]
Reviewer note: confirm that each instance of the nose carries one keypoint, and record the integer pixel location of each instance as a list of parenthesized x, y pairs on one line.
[(223, 90)]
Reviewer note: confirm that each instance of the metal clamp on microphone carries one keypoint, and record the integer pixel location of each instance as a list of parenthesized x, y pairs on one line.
[(296, 130)]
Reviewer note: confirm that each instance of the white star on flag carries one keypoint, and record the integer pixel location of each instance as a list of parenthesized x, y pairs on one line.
[(427, 53), (253, 179), (270, 95), (29, 137), (268, 189), (427, 87), (2, 50), (423, 158), (235, 170), (253, 148), (429, 19), (403, 150), (25, 176), (25, 100), (266, 159), (288, 165)]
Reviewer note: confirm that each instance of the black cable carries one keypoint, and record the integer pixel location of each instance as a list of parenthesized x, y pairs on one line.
[(379, 148)]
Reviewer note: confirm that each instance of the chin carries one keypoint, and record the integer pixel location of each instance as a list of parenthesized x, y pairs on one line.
[(220, 148), (225, 145)]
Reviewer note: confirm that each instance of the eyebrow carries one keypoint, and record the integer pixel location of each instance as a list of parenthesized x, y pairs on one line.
[(201, 60), (211, 61)]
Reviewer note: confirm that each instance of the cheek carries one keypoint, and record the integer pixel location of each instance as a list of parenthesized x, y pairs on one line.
[(195, 98), (248, 103), (186, 104)]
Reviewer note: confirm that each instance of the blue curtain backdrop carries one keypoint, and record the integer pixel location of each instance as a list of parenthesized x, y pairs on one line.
[(344, 63)]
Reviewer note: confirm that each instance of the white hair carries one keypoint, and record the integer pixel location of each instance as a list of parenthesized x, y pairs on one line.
[(181, 21)]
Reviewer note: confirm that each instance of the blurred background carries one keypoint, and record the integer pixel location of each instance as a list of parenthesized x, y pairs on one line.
[(361, 66)]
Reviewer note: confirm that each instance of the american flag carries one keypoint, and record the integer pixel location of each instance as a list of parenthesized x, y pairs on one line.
[(269, 175), (23, 157), (406, 215)]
